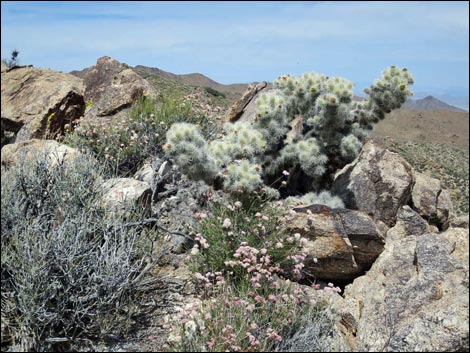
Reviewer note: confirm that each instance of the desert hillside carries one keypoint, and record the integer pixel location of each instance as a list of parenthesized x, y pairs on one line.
[(445, 127), (194, 79)]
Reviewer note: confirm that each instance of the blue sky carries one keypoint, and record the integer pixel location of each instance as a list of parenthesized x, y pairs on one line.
[(249, 41)]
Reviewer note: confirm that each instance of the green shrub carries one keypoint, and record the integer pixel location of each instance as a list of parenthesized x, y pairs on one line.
[(214, 92), (71, 274), (125, 144)]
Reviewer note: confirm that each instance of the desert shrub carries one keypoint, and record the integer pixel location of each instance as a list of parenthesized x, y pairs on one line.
[(71, 274), (13, 60), (312, 332), (308, 126), (251, 319), (214, 92), (322, 198), (125, 144)]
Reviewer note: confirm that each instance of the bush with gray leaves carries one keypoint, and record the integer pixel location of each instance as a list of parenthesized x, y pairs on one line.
[(71, 274)]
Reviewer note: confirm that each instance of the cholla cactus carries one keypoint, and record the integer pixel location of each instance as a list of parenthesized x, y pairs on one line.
[(241, 141), (191, 152), (243, 176), (307, 153), (251, 156), (323, 198)]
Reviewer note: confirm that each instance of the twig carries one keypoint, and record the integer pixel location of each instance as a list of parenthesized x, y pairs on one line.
[(153, 222), (151, 265), (161, 195)]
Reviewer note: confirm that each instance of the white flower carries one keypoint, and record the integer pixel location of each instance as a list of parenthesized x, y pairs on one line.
[(285, 172), (227, 223), (195, 250)]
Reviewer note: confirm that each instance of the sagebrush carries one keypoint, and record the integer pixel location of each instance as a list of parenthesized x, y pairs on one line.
[(71, 273)]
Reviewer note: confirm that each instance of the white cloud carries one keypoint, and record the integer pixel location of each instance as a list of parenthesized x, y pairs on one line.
[(346, 36)]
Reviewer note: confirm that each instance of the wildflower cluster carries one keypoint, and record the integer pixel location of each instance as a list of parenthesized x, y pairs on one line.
[(244, 319), (248, 243), (244, 263), (331, 128)]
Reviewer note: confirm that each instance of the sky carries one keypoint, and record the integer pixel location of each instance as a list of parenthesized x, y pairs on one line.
[(235, 42)]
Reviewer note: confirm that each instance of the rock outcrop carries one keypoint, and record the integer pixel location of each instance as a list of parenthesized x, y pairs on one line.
[(431, 201), (461, 221), (341, 243), (38, 103), (121, 195), (245, 106), (414, 298), (378, 182), (411, 222), (54, 152), (111, 87)]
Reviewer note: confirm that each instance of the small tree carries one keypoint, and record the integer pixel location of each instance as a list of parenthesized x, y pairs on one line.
[(13, 61)]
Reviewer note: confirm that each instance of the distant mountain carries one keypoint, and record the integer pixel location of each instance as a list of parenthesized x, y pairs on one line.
[(194, 79), (456, 100), (430, 103)]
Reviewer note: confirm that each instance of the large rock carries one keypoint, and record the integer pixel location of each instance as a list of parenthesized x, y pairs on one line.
[(154, 171), (411, 222), (341, 243), (37, 103), (121, 195), (414, 298), (146, 173), (461, 221), (430, 200), (53, 152), (378, 182), (111, 88), (245, 106)]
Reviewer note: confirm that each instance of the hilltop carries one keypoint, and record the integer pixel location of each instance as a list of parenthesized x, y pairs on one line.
[(430, 103)]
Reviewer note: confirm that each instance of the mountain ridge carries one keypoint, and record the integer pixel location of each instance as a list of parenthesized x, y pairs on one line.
[(194, 79), (430, 103)]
